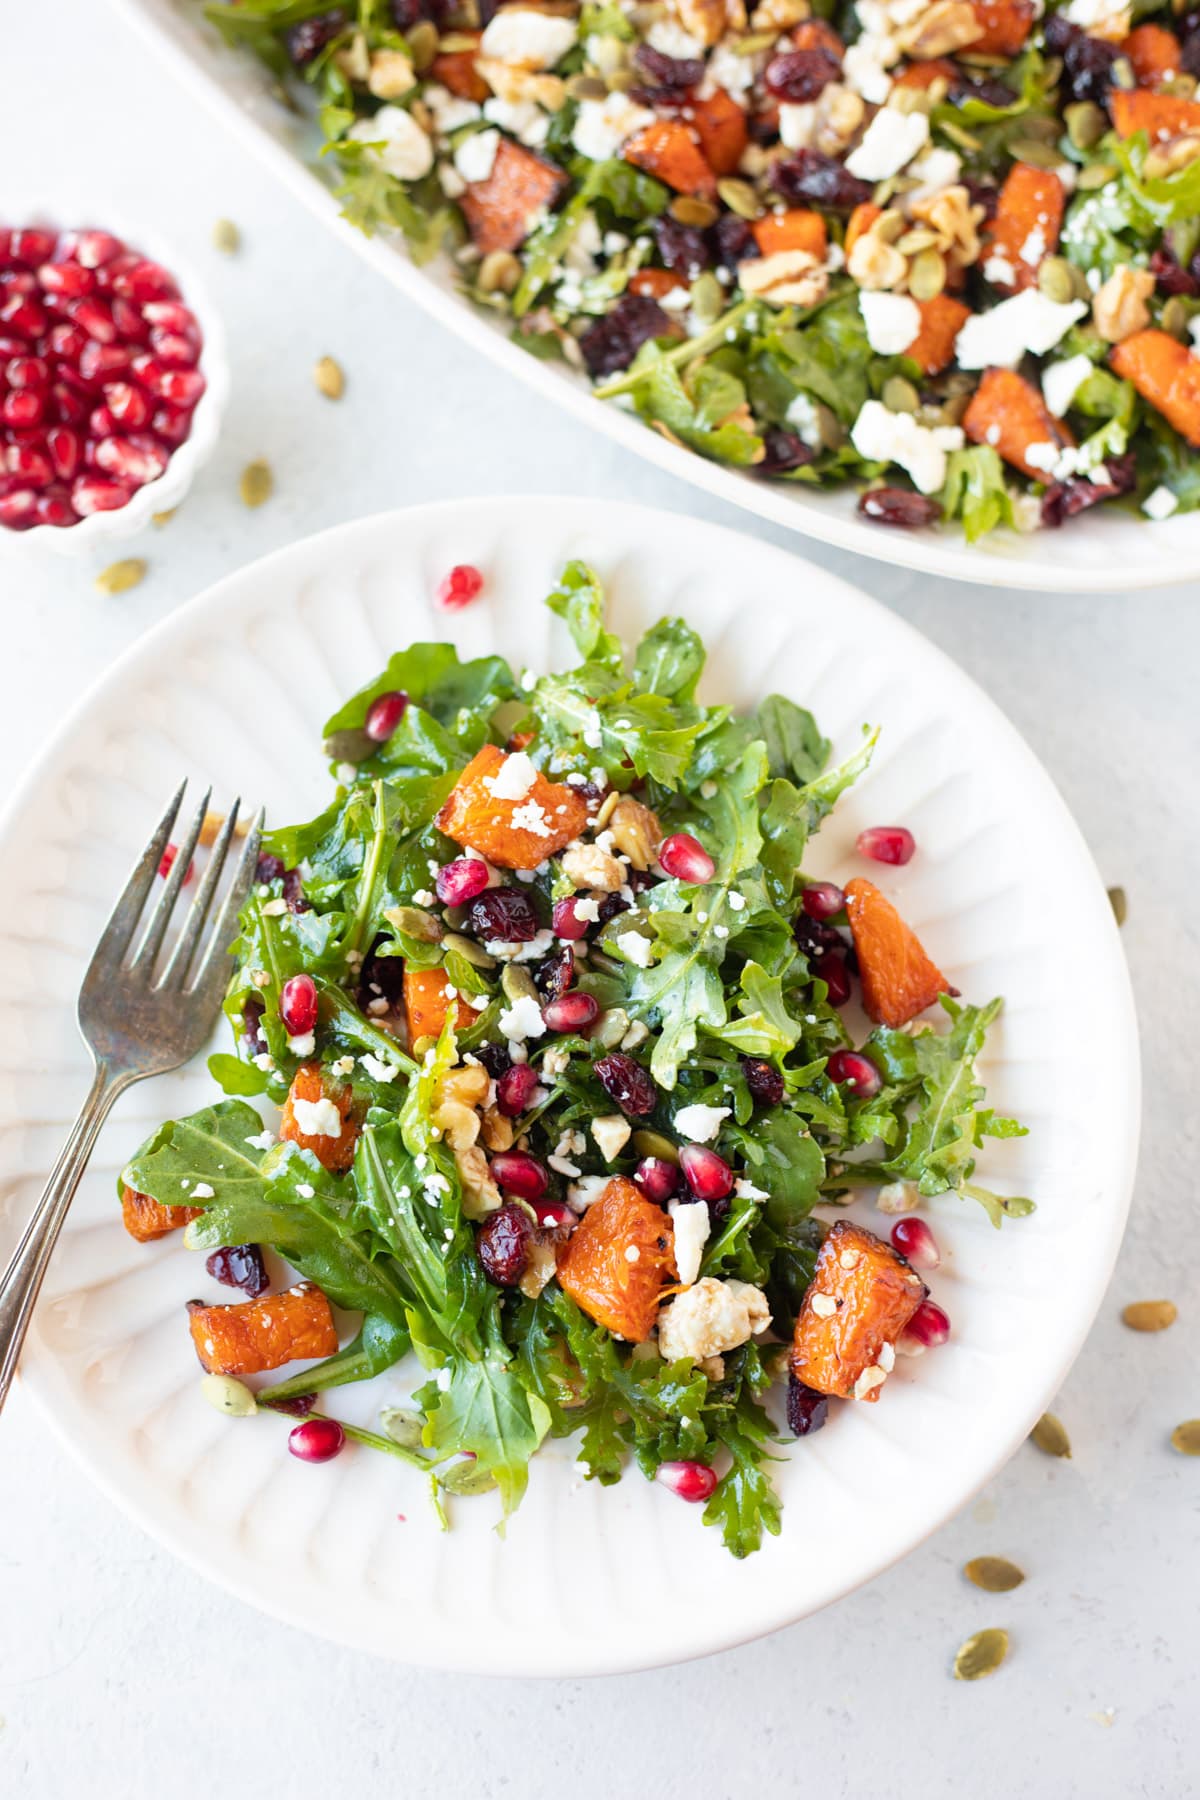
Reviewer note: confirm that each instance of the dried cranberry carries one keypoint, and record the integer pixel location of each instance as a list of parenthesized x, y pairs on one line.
[(1063, 499), (627, 1083), (763, 1079), (815, 937), (297, 1407), (252, 1013), (807, 1410), (783, 451), (733, 241), (381, 977), (982, 193), (293, 891), (1087, 61), (798, 76), (515, 1089), (609, 907), (614, 340), (503, 915), (668, 71), (310, 36), (897, 506), (681, 247), (268, 868), (503, 1245), (822, 180), (1169, 274), (405, 13), (556, 975), (495, 1059), (833, 971), (1189, 55), (240, 1266), (980, 87)]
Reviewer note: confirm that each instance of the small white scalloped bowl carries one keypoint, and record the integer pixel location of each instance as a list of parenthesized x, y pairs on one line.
[(166, 492)]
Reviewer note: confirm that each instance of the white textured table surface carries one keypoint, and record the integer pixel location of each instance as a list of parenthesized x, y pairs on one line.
[(122, 1673)]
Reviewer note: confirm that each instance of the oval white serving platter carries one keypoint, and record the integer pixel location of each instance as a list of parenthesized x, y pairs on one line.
[(1102, 551), (233, 688)]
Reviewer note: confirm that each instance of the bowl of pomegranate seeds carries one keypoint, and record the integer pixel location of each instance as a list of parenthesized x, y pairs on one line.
[(112, 383)]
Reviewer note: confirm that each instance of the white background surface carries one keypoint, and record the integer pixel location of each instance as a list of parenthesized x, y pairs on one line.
[(123, 1674)]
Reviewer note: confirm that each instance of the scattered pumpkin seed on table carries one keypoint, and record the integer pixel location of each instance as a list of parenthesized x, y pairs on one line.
[(257, 483), (994, 1574), (226, 237), (1150, 1315), (329, 378), (119, 577), (163, 518), (1186, 1438), (981, 1655), (1119, 904), (1049, 1434)]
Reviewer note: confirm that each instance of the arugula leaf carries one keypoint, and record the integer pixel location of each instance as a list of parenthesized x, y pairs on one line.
[(744, 1504), (765, 1028), (976, 492), (669, 660), (578, 599), (486, 1411), (795, 747)]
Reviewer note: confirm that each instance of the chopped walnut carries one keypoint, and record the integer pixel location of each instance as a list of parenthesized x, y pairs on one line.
[(709, 20), (458, 1124), (779, 15), (839, 113), (1119, 307), (480, 1195), (874, 261), (497, 1131), (636, 831), (508, 82), (467, 1082), (789, 278), (541, 1261), (391, 75), (588, 866), (956, 221), (1169, 158), (943, 28)]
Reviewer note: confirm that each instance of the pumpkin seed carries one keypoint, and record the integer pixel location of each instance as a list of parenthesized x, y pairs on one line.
[(586, 87), (329, 378), (1095, 175), (467, 1478), (1080, 290), (423, 1044), (1182, 85), (692, 211), (226, 237), (708, 299), (1150, 1315), (1186, 1438), (962, 138), (754, 41), (119, 577), (1032, 150), (900, 396), (1054, 279), (1086, 124), (1175, 318), (1049, 1434), (981, 1655), (415, 922), (953, 409), (927, 275), (422, 41), (618, 80), (913, 241), (228, 1396), (499, 273), (653, 1143), (469, 950), (1116, 895), (402, 1426), (352, 746), (455, 42), (740, 197), (910, 100), (612, 1028), (830, 429), (517, 983), (163, 518), (994, 1574), (257, 483)]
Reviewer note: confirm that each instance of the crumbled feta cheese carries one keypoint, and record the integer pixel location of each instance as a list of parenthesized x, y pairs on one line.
[(404, 150), (699, 1123), (1000, 337), (302, 1045), (890, 141), (376, 1067), (524, 119), (692, 1224), (202, 1191), (600, 129), (883, 436), (305, 1190), (511, 950), (670, 39), (606, 54), (531, 817), (523, 1019), (343, 1066), (1101, 18), (1061, 381), (452, 183), (797, 124), (865, 68), (803, 418), (449, 112), (262, 1140), (936, 170), (612, 1132), (635, 948), (271, 909), (746, 1190), (585, 1193), (999, 271), (899, 1196), (476, 154), (892, 321), (588, 909), (564, 1166), (710, 1317), (1034, 247), (823, 1305), (264, 1061), (317, 1118), (423, 897), (1160, 504), (517, 775), (528, 40)]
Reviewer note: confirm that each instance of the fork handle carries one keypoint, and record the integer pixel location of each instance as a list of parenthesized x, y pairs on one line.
[(21, 1281)]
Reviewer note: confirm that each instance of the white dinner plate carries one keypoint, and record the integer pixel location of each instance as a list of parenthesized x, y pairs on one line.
[(1104, 550), (233, 688)]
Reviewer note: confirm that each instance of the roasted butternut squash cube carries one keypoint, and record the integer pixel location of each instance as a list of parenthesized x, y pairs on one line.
[(502, 210), (796, 229), (863, 1294), (426, 1003), (942, 318), (456, 70), (1154, 52), (512, 833), (1004, 25), (1166, 374), (1028, 219), (1160, 116), (145, 1220), (319, 1116), (898, 979), (252, 1336), (619, 1259), (1009, 413), (668, 151), (720, 124)]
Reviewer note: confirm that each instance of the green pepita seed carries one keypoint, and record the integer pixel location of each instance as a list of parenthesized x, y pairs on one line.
[(612, 1028), (653, 1143), (1054, 279), (1049, 1434), (422, 41), (163, 518), (257, 483), (1186, 1438), (351, 746), (981, 1655), (1095, 175), (467, 1478), (469, 950), (927, 275), (1086, 124), (499, 273), (1032, 150), (708, 299), (1116, 895), (329, 378), (994, 1574), (740, 197), (226, 237), (119, 577), (900, 396), (517, 983), (455, 42), (1174, 321), (402, 1426), (913, 241), (1150, 1315), (618, 80), (962, 138), (228, 1396), (415, 922), (586, 87), (754, 41), (692, 211), (830, 429)]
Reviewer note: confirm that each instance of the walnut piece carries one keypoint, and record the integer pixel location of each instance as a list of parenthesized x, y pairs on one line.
[(391, 75), (588, 866), (508, 82), (874, 261), (943, 28), (779, 15), (635, 831), (480, 1195), (839, 113), (956, 221), (1119, 306), (709, 20), (789, 278)]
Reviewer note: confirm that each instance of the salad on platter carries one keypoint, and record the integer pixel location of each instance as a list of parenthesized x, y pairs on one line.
[(570, 1073), (946, 250)]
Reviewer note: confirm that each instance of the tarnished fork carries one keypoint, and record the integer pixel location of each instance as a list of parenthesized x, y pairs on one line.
[(138, 1016)]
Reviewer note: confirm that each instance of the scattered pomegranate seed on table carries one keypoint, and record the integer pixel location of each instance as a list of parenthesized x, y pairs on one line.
[(928, 1327), (914, 1240), (691, 1481), (887, 844), (317, 1440), (463, 584)]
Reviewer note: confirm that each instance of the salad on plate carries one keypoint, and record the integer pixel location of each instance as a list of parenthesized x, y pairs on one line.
[(946, 250), (569, 1073)]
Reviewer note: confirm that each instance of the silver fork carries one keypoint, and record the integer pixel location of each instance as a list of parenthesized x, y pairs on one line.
[(137, 1020)]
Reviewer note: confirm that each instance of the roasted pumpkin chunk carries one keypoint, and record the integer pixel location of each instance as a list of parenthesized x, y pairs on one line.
[(252, 1336), (898, 979), (502, 210), (145, 1220), (619, 1259), (513, 833), (862, 1296), (426, 1004), (1008, 413), (319, 1116)]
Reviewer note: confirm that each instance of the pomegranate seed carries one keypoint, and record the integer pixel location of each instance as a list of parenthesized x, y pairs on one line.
[(555, 1215), (514, 1089), (317, 1440), (708, 1175), (100, 424), (685, 859), (384, 716), (833, 971), (181, 387), (823, 900), (566, 921), (298, 1005), (807, 1410), (95, 317), (94, 248), (572, 1012), (851, 1068), (99, 363), (914, 1240), (18, 510), (463, 584), (67, 342), (24, 316), (657, 1178), (29, 465), (240, 1266), (167, 863), (887, 844), (691, 1481), (171, 315), (519, 1173), (136, 460), (129, 322), (21, 282), (52, 509), (503, 1245), (31, 247), (22, 408), (172, 425), (461, 880), (764, 1081), (928, 1327), (173, 349), (66, 279), (149, 371), (12, 346), (626, 1082), (144, 282), (27, 372), (127, 404), (68, 407)]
